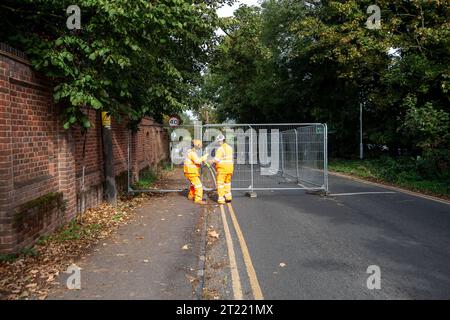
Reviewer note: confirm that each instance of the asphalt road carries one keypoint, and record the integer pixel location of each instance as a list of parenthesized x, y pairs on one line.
[(305, 246)]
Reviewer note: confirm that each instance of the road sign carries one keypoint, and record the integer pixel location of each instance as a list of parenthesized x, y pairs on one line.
[(174, 121), (106, 120)]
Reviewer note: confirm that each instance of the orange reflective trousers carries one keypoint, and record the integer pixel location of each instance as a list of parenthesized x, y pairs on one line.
[(196, 187)]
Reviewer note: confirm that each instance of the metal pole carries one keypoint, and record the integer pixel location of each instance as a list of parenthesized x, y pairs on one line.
[(296, 156), (201, 139), (361, 146), (171, 154), (128, 162), (251, 157), (282, 153), (325, 156)]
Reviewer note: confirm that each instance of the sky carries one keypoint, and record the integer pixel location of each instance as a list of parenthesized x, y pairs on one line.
[(227, 11)]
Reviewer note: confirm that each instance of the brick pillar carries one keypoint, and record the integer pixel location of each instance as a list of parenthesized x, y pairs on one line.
[(7, 238), (66, 170)]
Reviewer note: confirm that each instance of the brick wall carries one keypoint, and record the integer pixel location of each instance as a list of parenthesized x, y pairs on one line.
[(149, 140), (41, 164)]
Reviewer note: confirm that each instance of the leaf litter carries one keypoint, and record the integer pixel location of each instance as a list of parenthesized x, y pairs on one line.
[(32, 276)]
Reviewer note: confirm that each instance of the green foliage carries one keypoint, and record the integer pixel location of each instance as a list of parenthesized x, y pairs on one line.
[(39, 208), (415, 174), (430, 127), (25, 252), (71, 232), (117, 217), (146, 179), (131, 57), (166, 166), (304, 61)]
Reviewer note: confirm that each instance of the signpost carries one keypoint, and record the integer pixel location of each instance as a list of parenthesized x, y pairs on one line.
[(110, 182)]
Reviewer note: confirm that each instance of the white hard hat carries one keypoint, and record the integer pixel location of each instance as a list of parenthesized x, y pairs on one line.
[(220, 137)]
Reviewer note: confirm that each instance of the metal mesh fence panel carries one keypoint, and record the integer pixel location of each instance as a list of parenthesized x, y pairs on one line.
[(180, 139), (274, 156), (312, 156), (266, 156)]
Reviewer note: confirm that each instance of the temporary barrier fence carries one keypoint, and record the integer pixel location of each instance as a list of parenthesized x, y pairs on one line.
[(266, 156)]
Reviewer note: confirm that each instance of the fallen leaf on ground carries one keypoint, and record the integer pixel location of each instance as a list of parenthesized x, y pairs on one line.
[(213, 234), (32, 276), (185, 247)]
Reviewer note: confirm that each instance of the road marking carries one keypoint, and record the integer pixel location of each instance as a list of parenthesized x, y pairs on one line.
[(235, 279), (361, 193), (256, 289), (411, 193)]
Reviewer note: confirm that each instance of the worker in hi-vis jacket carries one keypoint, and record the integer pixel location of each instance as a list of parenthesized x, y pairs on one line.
[(192, 164), (224, 167)]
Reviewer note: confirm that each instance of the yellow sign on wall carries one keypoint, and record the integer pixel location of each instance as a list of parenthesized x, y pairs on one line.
[(106, 120)]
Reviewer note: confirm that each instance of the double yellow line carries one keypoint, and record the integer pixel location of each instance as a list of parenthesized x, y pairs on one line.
[(235, 278)]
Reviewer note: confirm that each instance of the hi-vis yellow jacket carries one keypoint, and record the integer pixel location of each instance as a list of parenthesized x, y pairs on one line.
[(224, 159), (192, 162)]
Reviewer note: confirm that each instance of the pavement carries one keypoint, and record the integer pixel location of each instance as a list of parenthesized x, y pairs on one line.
[(155, 256), (305, 246)]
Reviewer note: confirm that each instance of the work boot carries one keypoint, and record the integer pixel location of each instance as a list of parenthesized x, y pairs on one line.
[(201, 202)]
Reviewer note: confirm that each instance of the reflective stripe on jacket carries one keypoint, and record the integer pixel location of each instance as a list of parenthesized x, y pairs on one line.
[(192, 163), (224, 159)]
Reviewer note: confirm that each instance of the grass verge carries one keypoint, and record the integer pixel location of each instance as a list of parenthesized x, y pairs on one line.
[(149, 177), (402, 173)]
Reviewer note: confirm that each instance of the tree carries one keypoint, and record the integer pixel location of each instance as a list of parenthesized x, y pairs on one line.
[(309, 61), (131, 57)]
